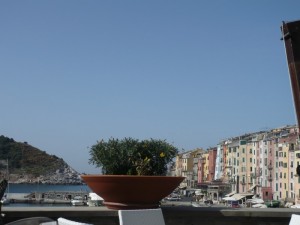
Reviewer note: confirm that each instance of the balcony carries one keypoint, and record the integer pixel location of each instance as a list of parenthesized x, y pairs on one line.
[(270, 167), (179, 215), (232, 181), (292, 148), (258, 173), (253, 175), (270, 178), (211, 172)]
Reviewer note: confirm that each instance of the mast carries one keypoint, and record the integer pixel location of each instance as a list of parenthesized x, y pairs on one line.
[(7, 176), (291, 38)]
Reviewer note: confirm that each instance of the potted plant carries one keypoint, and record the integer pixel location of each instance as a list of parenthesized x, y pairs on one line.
[(134, 172)]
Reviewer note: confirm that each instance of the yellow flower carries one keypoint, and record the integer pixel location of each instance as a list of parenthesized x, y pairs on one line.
[(162, 154)]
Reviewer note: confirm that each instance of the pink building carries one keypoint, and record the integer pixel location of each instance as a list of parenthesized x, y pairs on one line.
[(212, 155)]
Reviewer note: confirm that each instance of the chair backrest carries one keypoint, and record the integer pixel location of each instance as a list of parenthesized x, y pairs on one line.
[(31, 221), (141, 217), (63, 221), (45, 221), (295, 219), (3, 186)]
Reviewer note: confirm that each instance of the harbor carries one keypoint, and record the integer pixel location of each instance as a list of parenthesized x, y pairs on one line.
[(49, 197), (43, 195)]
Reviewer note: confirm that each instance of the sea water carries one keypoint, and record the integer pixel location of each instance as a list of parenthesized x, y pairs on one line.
[(29, 188)]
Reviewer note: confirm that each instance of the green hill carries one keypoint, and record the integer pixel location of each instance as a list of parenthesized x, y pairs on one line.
[(23, 159)]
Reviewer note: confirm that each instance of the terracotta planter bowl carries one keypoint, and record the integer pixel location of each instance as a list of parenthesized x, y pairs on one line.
[(132, 192)]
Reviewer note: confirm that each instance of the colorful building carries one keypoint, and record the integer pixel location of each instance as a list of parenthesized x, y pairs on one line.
[(262, 163)]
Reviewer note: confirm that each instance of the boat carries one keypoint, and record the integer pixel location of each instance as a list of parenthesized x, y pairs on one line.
[(259, 205), (94, 200), (272, 204), (256, 203), (296, 206), (78, 201), (56, 197)]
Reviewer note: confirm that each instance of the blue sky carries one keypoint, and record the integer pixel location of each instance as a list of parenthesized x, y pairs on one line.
[(190, 72)]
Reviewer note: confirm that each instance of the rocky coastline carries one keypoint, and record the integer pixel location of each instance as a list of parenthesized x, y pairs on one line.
[(66, 175)]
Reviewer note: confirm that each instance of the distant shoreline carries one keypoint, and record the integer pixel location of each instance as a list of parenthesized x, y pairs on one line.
[(37, 183)]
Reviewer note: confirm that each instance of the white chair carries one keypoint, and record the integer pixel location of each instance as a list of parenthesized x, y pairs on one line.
[(141, 217), (295, 219), (32, 221), (63, 221)]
